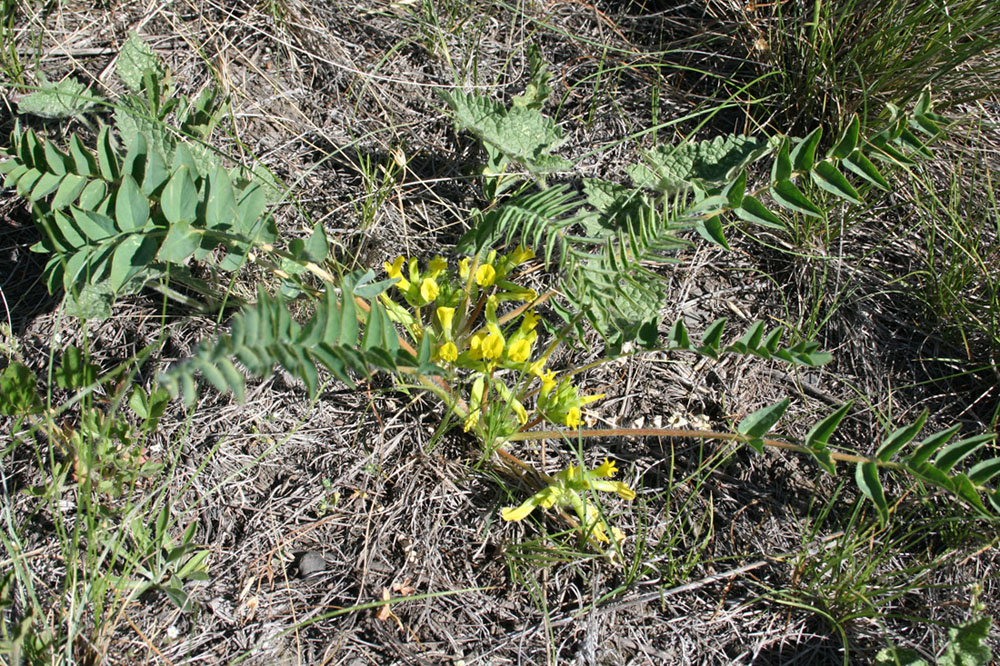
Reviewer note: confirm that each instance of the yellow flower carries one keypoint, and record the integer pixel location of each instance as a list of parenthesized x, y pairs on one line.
[(522, 254), (530, 321), (537, 368), (548, 381), (606, 469), (437, 266), (471, 421), (485, 275), (463, 268), (395, 270), (448, 352), (573, 419), (429, 289), (519, 350), (446, 316)]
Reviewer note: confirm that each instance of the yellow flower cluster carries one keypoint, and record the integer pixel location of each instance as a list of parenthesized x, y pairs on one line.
[(568, 489)]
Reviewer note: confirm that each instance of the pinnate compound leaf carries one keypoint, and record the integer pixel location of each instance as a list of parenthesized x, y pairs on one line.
[(758, 424), (866, 476), (900, 438)]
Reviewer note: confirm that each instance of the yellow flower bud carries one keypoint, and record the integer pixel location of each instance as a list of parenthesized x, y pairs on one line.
[(519, 351), (429, 289), (448, 352), (485, 275), (463, 268), (446, 316), (437, 266), (493, 346)]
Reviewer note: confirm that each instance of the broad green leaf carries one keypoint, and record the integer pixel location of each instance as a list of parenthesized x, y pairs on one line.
[(781, 170), (92, 195), (848, 140), (711, 230), (131, 256), (93, 225), (929, 446), (131, 205), (788, 195), (84, 163), (107, 158), (734, 191), (155, 174), (74, 371), (67, 230), (221, 212), (134, 163), (18, 394), (887, 152), (818, 437), (709, 163), (861, 166), (803, 156), (826, 176), (69, 190), (179, 200), (900, 438), (985, 471), (952, 454), (711, 341), (59, 163), (758, 424), (27, 182), (752, 210), (45, 186), (14, 175), (678, 338), (179, 244), (869, 484), (967, 644)]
